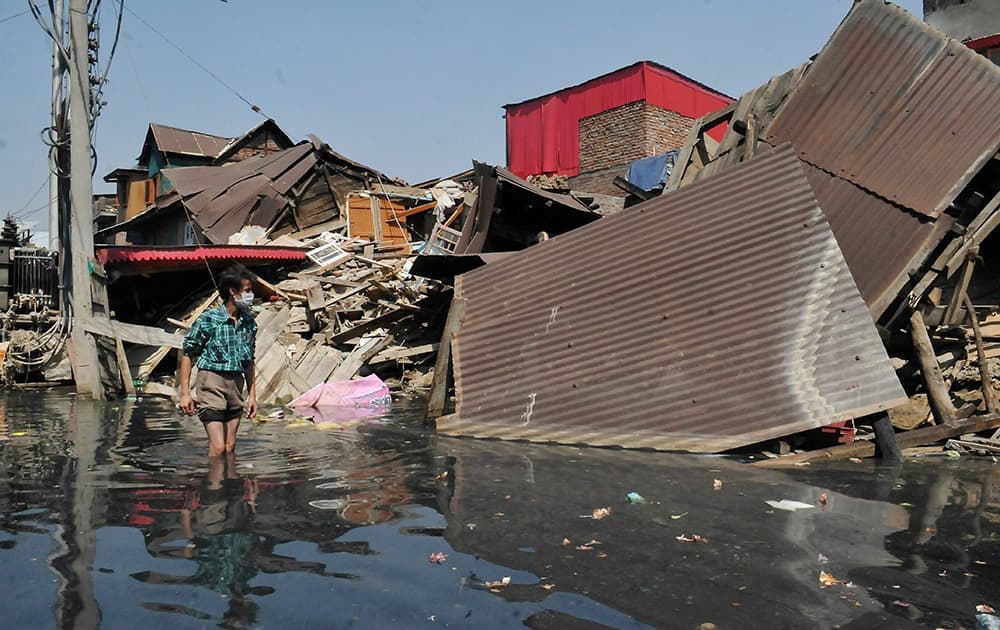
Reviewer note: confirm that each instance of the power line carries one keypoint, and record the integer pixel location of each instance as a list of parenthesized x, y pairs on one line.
[(44, 182), (16, 15), (138, 79), (196, 62), (25, 214)]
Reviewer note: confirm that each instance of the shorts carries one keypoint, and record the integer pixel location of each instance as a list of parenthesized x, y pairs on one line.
[(220, 396)]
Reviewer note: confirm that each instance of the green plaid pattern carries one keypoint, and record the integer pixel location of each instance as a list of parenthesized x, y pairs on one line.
[(220, 344)]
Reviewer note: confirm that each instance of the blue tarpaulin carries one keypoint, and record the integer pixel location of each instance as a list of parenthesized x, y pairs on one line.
[(652, 172)]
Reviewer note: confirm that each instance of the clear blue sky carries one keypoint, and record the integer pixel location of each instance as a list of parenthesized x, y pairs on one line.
[(414, 89)]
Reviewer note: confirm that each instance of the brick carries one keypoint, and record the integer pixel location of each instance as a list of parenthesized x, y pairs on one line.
[(613, 138), (627, 133)]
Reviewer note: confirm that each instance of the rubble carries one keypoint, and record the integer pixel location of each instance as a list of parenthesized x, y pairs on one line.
[(350, 315)]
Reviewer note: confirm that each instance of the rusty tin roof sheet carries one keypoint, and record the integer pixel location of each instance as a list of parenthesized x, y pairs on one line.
[(881, 242), (182, 142), (715, 316), (896, 107)]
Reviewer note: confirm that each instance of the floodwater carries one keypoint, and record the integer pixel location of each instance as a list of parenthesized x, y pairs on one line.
[(112, 515)]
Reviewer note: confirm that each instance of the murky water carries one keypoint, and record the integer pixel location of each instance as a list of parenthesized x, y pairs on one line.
[(112, 515)]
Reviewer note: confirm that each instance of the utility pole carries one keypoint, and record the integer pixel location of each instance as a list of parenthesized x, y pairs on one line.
[(58, 111), (79, 291)]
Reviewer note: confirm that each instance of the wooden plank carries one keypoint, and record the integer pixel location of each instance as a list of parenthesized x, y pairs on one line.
[(329, 360), (325, 280), (349, 367), (133, 333), (951, 313), (424, 207), (159, 389), (937, 391), (123, 367), (378, 322), (439, 385), (906, 439), (984, 368), (148, 361), (316, 230), (402, 352)]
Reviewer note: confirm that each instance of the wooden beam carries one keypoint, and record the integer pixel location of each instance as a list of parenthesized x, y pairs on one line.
[(951, 313), (906, 439), (937, 391), (984, 368), (316, 230), (376, 322), (359, 356), (439, 385), (133, 333), (126, 372), (459, 209), (424, 207), (632, 189), (750, 138)]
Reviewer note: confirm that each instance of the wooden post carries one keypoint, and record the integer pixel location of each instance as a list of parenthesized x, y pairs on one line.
[(439, 386), (951, 316), (984, 368), (127, 381), (886, 447), (937, 391)]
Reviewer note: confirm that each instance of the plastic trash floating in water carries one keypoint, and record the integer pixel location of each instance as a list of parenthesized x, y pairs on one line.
[(789, 506), (344, 401)]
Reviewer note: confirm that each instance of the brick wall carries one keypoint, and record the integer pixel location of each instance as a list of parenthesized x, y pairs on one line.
[(665, 130), (600, 181), (627, 133)]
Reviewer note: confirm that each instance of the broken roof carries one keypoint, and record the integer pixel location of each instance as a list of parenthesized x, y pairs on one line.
[(896, 107), (222, 199), (744, 326), (266, 126), (172, 140), (893, 120)]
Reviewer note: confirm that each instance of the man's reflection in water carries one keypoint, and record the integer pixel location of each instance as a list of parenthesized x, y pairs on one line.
[(217, 521)]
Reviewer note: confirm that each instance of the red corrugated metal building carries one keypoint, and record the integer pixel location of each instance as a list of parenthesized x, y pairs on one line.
[(548, 134)]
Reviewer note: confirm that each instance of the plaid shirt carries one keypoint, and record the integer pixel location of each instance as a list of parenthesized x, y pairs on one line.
[(220, 344)]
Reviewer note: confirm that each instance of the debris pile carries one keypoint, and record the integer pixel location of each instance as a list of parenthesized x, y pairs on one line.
[(343, 316)]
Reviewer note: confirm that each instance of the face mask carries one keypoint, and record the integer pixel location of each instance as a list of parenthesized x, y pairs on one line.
[(245, 301)]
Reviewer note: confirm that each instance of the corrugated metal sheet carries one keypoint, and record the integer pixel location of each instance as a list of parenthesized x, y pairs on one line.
[(715, 316), (881, 242), (896, 107), (174, 140), (243, 253)]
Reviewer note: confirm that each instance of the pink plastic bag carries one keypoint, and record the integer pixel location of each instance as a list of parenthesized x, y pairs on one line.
[(342, 401)]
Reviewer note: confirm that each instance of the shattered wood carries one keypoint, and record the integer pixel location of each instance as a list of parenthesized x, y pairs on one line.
[(332, 322)]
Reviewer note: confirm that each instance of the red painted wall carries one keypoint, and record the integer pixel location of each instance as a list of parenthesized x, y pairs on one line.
[(542, 134)]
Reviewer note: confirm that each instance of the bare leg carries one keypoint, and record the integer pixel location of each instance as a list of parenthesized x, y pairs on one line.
[(216, 438), (232, 426)]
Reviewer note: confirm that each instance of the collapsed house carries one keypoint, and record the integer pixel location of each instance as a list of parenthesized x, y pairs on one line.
[(746, 327), (334, 244), (284, 191), (895, 130)]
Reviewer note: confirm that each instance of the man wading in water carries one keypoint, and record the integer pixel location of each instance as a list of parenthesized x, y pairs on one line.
[(222, 342)]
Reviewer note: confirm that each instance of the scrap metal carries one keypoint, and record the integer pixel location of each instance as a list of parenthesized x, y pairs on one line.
[(729, 318)]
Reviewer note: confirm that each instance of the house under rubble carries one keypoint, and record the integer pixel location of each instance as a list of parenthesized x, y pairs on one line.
[(878, 163)]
